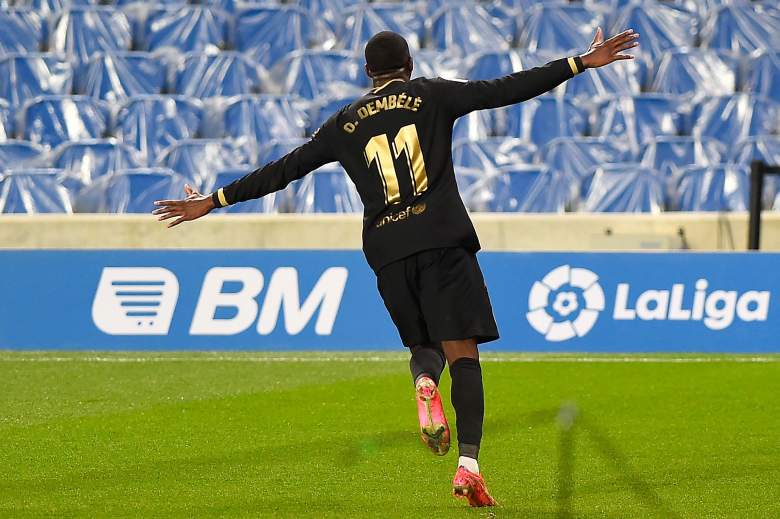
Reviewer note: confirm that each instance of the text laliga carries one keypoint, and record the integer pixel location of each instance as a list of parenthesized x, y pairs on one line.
[(716, 309)]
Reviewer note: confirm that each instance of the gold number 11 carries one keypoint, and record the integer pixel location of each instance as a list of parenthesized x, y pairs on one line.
[(407, 143)]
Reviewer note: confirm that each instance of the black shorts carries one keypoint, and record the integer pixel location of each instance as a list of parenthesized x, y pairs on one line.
[(438, 295)]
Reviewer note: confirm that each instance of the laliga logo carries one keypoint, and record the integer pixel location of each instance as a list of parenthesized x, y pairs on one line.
[(565, 303)]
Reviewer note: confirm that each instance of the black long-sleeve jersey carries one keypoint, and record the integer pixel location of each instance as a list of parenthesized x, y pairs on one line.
[(395, 143)]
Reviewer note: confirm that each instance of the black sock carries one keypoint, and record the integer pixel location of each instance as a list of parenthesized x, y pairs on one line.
[(427, 360), (469, 402)]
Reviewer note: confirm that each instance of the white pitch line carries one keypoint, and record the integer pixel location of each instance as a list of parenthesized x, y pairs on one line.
[(628, 359)]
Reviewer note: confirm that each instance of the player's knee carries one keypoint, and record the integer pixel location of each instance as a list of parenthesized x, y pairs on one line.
[(455, 350)]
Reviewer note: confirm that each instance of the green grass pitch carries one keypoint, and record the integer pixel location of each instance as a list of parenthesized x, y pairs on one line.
[(333, 435)]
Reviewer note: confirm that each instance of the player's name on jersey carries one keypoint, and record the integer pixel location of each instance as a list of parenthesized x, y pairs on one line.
[(389, 102)]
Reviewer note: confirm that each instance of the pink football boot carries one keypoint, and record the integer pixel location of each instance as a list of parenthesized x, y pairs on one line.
[(434, 431), (471, 486)]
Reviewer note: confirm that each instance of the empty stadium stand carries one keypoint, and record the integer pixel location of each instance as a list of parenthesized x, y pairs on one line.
[(35, 190), (152, 123), (118, 76), (105, 105)]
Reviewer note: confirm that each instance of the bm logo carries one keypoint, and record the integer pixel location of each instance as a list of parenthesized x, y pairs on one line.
[(135, 301), (141, 301)]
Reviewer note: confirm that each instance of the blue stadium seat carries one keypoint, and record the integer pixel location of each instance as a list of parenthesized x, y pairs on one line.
[(130, 191), (492, 153), (7, 125), (743, 27), (152, 123), (229, 6), (200, 159), (320, 111), (266, 33), (492, 64), (464, 28), (637, 119), (619, 79), (542, 119), (329, 12), (518, 188), (537, 58), (662, 25), (761, 147), (700, 72), (669, 155), (432, 63), (166, 3), (364, 20), (559, 27), (276, 149), (326, 190), (514, 6), (577, 157), (703, 8), (552, 192), (314, 74), (474, 186), (135, 190), (33, 191), (506, 17), (185, 29), (88, 160), (731, 119), (476, 125), (81, 32), (625, 188), (257, 120), (21, 30), (16, 154), (52, 120), (23, 77), (723, 187), (115, 77), (47, 8), (764, 75), (531, 189), (269, 204), (210, 75)]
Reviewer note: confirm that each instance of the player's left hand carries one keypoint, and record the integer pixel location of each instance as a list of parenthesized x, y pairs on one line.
[(192, 207), (603, 52)]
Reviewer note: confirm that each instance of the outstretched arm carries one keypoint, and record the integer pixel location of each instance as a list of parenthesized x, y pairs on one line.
[(467, 96), (272, 177)]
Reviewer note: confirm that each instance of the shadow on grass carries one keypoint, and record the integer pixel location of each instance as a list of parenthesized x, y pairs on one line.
[(570, 424), (346, 452)]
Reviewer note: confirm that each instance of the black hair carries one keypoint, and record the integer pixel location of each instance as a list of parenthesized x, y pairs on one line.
[(386, 52)]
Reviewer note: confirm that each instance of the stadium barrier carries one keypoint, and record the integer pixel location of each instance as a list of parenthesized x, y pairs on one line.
[(327, 300), (497, 232)]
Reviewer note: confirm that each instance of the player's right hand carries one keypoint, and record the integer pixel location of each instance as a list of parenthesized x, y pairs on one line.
[(192, 207)]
